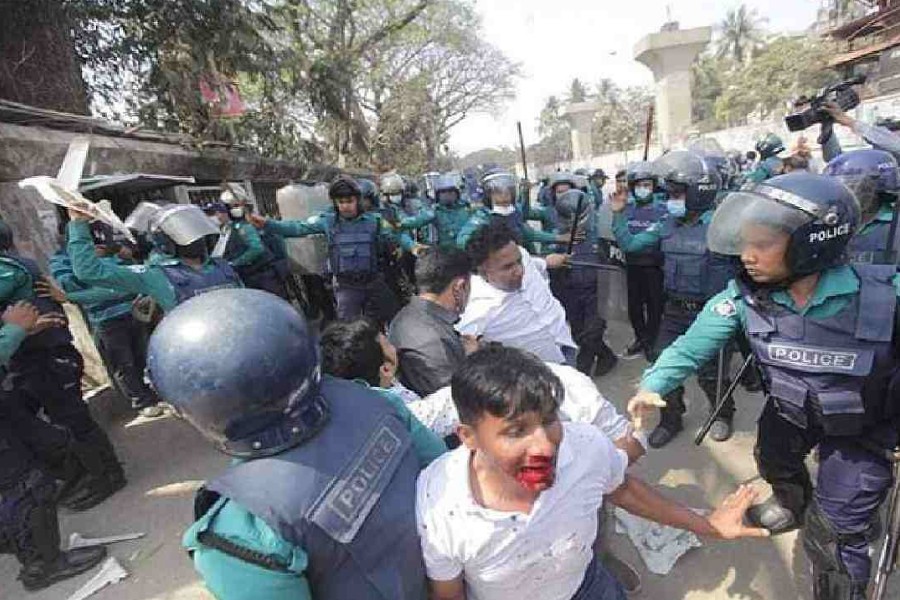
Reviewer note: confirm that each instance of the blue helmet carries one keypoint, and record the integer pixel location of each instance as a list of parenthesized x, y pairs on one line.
[(877, 165), (870, 174), (685, 171), (820, 214), (242, 366)]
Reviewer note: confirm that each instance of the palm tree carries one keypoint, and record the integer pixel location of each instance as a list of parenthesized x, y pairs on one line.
[(741, 33)]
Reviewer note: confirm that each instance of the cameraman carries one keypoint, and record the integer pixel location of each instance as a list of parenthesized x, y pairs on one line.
[(880, 138)]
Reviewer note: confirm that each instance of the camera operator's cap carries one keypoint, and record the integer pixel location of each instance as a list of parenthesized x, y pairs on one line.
[(788, 204)]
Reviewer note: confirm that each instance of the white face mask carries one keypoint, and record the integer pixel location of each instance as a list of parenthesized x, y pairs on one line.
[(237, 212), (504, 210), (676, 208), (642, 193)]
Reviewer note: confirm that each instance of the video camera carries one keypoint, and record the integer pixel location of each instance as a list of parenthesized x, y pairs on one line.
[(841, 94)]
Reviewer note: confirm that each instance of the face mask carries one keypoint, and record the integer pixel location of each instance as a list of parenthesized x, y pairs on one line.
[(642, 193), (676, 208), (504, 210), (236, 212)]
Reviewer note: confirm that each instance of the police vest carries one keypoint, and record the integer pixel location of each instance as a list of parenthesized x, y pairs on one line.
[(51, 337), (691, 271), (640, 217), (870, 247), (449, 222), (347, 497), (513, 221), (189, 282), (353, 247), (834, 371)]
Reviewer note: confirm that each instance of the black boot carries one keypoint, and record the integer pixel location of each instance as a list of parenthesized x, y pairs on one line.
[(606, 360), (670, 419), (774, 516), (37, 545), (722, 429), (104, 475)]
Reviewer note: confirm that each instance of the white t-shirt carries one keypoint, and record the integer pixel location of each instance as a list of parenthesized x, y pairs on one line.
[(582, 403), (530, 318), (514, 556)]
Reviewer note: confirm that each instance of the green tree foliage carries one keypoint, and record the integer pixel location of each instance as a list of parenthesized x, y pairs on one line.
[(726, 93), (621, 118), (352, 81), (555, 144), (740, 34)]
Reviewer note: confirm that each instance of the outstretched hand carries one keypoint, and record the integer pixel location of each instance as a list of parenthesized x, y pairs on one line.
[(728, 520), (257, 221), (47, 288), (618, 200), (641, 406)]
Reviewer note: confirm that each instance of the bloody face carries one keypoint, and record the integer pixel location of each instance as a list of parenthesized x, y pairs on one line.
[(518, 451), (503, 268), (763, 251)]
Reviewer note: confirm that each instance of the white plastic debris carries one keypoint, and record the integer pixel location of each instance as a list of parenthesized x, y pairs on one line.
[(660, 546), (76, 540), (110, 572)]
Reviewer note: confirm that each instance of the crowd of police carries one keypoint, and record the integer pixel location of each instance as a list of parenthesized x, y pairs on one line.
[(699, 287)]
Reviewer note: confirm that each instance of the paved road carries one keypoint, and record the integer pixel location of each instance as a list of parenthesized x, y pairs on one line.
[(165, 459)]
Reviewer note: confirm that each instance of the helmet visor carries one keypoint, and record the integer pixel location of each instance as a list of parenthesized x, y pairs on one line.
[(184, 224), (139, 219), (745, 217)]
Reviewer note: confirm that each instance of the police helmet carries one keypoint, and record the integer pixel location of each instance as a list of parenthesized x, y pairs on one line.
[(446, 189), (581, 182), (769, 145), (242, 366), (369, 193), (560, 177), (392, 184), (639, 171), (344, 186), (499, 183), (582, 171), (179, 225), (599, 174), (685, 172), (819, 213), (573, 203), (872, 175)]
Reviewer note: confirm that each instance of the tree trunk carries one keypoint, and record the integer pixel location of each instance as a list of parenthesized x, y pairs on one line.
[(38, 64)]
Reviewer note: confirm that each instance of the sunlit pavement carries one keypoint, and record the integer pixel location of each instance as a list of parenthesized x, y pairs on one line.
[(165, 459)]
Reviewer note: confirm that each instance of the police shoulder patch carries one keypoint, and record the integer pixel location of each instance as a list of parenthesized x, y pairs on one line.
[(141, 268), (725, 308)]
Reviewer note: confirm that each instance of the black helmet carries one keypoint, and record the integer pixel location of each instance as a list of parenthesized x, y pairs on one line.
[(242, 366), (369, 193), (640, 171), (344, 186), (572, 203), (819, 213), (446, 189), (769, 145), (683, 170), (599, 174)]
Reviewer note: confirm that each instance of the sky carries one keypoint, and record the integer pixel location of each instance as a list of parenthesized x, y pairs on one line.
[(555, 41)]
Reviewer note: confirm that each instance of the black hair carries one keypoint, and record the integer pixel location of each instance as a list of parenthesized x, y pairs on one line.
[(436, 269), (350, 350), (621, 173), (751, 154), (504, 382), (489, 239)]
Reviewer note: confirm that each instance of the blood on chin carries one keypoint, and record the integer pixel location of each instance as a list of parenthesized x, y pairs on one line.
[(537, 475)]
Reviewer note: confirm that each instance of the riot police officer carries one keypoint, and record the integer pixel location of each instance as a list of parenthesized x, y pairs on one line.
[(643, 268), (185, 268), (822, 334), (576, 287), (448, 215), (500, 191), (874, 177), (28, 519), (45, 372), (692, 274), (357, 242), (767, 147), (242, 246), (320, 503)]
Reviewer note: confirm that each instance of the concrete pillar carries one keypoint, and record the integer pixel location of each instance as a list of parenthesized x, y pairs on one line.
[(669, 54), (580, 116)]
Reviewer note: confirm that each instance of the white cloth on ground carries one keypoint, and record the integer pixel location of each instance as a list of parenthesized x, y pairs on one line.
[(660, 546)]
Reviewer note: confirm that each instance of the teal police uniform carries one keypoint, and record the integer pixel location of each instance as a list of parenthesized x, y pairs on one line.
[(356, 249), (447, 221), (231, 578), (168, 280), (483, 217)]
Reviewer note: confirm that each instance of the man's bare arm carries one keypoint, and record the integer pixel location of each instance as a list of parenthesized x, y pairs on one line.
[(454, 589)]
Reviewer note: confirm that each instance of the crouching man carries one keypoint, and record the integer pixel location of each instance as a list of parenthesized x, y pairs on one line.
[(512, 513)]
